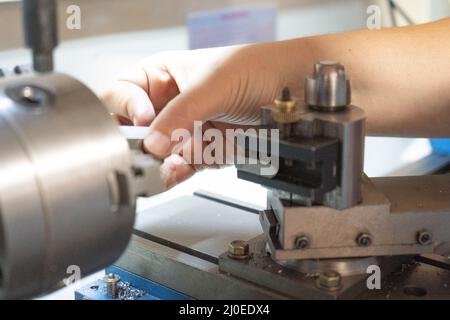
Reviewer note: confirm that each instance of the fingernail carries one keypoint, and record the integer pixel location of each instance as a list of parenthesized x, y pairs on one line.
[(158, 144)]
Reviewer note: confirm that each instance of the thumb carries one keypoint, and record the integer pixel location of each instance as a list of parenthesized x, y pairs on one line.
[(180, 113)]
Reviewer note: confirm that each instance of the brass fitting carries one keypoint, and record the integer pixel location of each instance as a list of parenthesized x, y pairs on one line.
[(286, 109)]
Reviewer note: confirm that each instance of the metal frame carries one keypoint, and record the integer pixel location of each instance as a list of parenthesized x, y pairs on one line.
[(393, 214), (260, 277)]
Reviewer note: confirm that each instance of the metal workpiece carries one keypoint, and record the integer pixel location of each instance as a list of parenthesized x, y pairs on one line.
[(60, 149), (146, 169), (328, 88), (146, 177), (41, 34), (135, 136)]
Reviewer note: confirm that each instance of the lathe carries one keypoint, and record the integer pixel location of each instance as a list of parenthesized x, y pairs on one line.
[(69, 181)]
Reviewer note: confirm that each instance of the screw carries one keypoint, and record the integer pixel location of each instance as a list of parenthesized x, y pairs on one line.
[(285, 94), (21, 69), (424, 237), (301, 242), (30, 95), (111, 281), (329, 280), (238, 249), (364, 240)]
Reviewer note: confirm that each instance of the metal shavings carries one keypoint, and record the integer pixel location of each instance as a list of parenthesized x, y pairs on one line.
[(127, 292)]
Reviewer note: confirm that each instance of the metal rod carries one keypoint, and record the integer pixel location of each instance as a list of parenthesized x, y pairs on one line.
[(176, 246), (41, 35), (434, 260)]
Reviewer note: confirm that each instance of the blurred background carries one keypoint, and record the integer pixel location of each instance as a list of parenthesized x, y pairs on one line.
[(100, 37)]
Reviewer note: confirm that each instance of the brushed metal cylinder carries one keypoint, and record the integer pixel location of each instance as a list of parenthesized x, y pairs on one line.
[(59, 148), (328, 89)]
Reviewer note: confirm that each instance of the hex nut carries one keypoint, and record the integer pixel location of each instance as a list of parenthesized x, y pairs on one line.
[(364, 240), (424, 238), (238, 249), (329, 280), (301, 242)]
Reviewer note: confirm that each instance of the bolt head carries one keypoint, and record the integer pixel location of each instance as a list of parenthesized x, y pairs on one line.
[(424, 238), (330, 280), (238, 249), (30, 96), (111, 278), (301, 242), (364, 240)]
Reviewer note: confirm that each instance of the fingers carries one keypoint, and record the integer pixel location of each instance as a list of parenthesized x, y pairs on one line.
[(129, 101), (196, 104), (184, 162), (175, 170), (122, 120), (140, 93), (162, 87)]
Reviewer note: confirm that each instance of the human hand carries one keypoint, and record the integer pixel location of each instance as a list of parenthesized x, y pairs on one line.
[(222, 87)]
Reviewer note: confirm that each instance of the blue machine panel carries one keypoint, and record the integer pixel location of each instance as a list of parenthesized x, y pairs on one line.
[(150, 290), (441, 146)]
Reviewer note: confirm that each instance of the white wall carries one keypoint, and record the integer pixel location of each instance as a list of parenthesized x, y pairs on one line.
[(323, 17)]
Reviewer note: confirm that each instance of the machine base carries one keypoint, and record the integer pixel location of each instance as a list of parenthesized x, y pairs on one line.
[(196, 267)]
